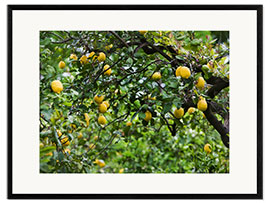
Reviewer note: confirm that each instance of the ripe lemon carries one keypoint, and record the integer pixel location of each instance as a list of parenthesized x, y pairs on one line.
[(102, 108), (106, 103), (87, 119), (191, 110), (121, 170), (73, 56), (202, 104), (57, 86), (101, 163), (108, 71), (80, 136), (98, 99), (143, 32), (101, 57), (92, 146), (61, 64), (59, 133), (178, 71), (200, 83), (128, 123), (102, 120), (83, 59), (207, 148), (96, 138), (178, 113), (49, 154), (148, 116), (185, 72), (156, 76), (91, 54), (65, 141)]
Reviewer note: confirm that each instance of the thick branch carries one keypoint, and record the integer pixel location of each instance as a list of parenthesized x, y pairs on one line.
[(222, 129)]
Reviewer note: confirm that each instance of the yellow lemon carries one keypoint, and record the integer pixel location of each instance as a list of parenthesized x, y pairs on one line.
[(101, 57), (61, 64), (91, 54), (80, 136), (101, 163), (178, 71), (191, 110), (65, 141), (83, 59), (41, 145), (49, 154), (178, 113), (142, 31), (87, 119), (148, 116), (57, 86), (202, 104), (185, 72), (207, 148), (121, 170), (92, 146), (98, 99), (102, 120), (59, 133), (128, 123), (156, 76), (102, 108), (96, 138), (200, 83), (73, 56), (108, 71), (106, 103)]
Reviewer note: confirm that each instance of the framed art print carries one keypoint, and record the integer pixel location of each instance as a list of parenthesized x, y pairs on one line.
[(135, 102)]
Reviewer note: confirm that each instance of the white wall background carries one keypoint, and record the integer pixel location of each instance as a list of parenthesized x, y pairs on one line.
[(3, 77)]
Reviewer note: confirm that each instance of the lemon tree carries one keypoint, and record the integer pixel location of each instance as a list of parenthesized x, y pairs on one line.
[(134, 101)]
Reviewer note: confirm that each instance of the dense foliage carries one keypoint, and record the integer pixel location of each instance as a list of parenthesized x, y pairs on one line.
[(152, 82)]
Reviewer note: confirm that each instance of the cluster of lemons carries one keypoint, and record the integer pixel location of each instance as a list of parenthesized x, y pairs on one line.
[(63, 139), (102, 108), (181, 71), (57, 86)]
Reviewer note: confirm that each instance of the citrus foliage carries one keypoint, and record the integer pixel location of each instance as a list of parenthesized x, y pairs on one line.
[(134, 102)]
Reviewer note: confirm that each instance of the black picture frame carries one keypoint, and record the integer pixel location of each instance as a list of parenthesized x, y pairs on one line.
[(257, 8)]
